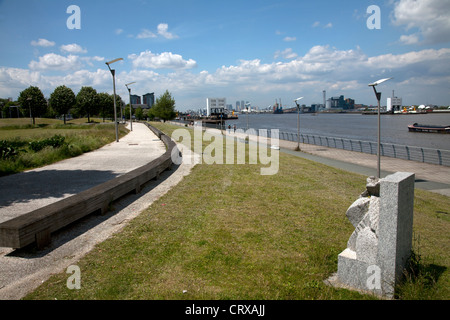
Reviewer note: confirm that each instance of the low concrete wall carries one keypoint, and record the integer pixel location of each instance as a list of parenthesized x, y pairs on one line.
[(37, 226)]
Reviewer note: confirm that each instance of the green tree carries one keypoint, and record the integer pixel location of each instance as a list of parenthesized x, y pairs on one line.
[(139, 113), (164, 107), (33, 100), (106, 105), (127, 111), (87, 102), (61, 100)]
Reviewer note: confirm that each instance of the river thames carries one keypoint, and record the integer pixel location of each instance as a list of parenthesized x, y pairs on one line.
[(394, 128)]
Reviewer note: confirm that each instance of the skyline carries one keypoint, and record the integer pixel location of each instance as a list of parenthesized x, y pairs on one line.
[(257, 51)]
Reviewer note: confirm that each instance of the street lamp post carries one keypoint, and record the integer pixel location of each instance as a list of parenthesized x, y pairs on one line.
[(248, 111), (298, 123), (378, 96), (113, 72), (129, 91)]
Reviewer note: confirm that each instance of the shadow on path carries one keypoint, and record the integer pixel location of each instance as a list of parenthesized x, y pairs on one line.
[(81, 226), (27, 186)]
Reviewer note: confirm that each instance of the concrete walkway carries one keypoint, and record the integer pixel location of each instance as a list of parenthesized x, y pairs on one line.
[(30, 190), (429, 177), (23, 270)]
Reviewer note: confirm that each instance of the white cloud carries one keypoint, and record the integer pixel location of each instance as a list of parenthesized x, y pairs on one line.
[(327, 26), (90, 60), (165, 60), (289, 39), (98, 79), (42, 43), (285, 54), (14, 80), (145, 34), (52, 61), (338, 71), (409, 39), (427, 58), (163, 31), (118, 31), (72, 48), (430, 17)]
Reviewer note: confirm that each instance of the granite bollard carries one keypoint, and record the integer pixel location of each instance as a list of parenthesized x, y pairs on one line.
[(380, 246)]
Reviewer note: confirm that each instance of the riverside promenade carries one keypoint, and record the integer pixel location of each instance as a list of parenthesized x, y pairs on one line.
[(22, 270), (33, 189), (434, 178)]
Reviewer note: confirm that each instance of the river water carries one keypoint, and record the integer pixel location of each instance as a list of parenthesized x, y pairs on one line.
[(394, 128)]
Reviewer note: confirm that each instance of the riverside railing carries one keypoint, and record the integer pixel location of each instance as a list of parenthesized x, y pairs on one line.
[(420, 154)]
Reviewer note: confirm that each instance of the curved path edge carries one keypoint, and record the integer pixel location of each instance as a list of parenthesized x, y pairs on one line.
[(23, 270)]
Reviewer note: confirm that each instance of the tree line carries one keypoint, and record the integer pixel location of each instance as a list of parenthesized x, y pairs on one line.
[(86, 103)]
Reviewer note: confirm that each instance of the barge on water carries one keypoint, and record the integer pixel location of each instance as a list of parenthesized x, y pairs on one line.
[(428, 128)]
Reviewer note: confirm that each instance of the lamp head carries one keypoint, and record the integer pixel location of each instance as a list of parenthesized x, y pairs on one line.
[(298, 99), (115, 60), (379, 82)]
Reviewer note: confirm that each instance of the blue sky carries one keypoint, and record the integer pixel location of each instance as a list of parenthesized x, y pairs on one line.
[(256, 51)]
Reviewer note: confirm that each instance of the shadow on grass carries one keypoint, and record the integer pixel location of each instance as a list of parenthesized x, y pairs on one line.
[(420, 279)]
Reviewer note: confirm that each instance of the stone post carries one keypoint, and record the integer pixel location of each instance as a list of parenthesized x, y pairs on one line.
[(395, 228), (380, 246)]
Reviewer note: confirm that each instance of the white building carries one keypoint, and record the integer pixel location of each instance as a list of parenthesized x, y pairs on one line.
[(394, 104), (215, 103)]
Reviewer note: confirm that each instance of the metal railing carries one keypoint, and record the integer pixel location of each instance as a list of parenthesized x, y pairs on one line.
[(420, 154)]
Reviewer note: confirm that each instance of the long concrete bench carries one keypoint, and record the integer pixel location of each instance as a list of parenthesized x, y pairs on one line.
[(37, 226)]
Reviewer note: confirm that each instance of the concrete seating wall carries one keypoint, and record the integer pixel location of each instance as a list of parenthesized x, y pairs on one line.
[(37, 226)]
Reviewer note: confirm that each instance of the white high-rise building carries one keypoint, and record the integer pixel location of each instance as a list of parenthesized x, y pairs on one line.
[(215, 103), (394, 104)]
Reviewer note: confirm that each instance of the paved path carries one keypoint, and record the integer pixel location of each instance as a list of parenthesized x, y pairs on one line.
[(22, 270), (30, 190)]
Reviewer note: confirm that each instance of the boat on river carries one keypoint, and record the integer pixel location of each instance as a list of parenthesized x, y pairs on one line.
[(428, 128)]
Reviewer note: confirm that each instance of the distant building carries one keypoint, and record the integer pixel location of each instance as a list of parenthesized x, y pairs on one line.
[(315, 107), (335, 102), (215, 105), (394, 104), (340, 102), (135, 99), (149, 99), (349, 103)]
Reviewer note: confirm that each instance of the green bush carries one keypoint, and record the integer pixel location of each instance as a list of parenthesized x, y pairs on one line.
[(55, 142), (10, 149)]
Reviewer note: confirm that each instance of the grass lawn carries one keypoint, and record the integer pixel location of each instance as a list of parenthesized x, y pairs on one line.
[(227, 232), (79, 138)]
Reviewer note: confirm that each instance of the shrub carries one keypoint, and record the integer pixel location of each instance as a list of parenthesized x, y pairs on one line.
[(10, 149), (55, 142)]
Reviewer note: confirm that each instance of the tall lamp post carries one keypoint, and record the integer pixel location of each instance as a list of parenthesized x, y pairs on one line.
[(113, 72), (378, 95), (298, 123), (129, 91), (247, 106)]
